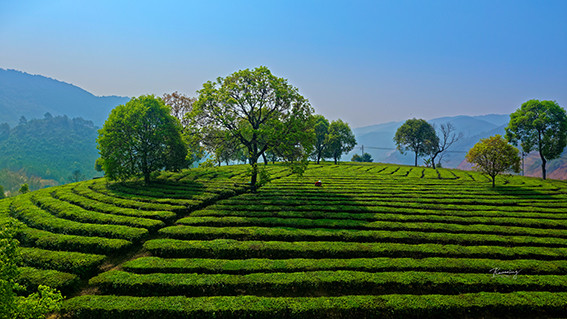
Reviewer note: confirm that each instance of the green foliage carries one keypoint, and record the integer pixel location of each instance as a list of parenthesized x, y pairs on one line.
[(340, 140), (207, 163), (366, 240), (260, 111), (43, 152), (418, 136), (38, 304), (2, 194), (69, 211), (321, 128), (337, 282), (139, 138), (234, 249), (76, 176), (146, 265), (484, 304), (539, 126), (24, 210), (33, 306), (365, 158), (8, 270), (493, 156), (81, 264), (31, 278), (409, 235), (24, 188)]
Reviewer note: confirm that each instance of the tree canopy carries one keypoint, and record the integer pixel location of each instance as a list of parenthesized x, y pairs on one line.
[(493, 156), (260, 111), (364, 158), (340, 140), (321, 127), (139, 138), (539, 126), (418, 136)]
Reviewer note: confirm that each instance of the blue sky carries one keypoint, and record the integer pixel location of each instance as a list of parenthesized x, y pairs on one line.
[(366, 62)]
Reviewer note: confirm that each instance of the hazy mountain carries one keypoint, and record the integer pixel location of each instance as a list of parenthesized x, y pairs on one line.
[(378, 139), (31, 96)]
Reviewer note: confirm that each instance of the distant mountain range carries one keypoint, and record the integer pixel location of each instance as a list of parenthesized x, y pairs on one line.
[(31, 96), (377, 140)]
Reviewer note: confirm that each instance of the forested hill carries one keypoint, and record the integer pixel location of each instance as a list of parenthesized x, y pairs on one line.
[(47, 151), (31, 96)]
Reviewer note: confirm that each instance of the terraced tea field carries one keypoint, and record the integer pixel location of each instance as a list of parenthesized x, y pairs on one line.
[(373, 241)]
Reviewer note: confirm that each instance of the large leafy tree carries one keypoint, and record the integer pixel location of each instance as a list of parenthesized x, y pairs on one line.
[(259, 110), (321, 127), (418, 136), (340, 140), (539, 126), (493, 156), (139, 138)]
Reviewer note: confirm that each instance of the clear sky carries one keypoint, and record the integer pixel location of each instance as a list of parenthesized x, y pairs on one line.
[(366, 62)]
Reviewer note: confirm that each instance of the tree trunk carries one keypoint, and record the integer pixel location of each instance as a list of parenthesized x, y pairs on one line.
[(433, 159), (265, 159), (543, 161), (493, 181), (336, 162), (254, 177), (147, 177), (415, 159), (543, 172)]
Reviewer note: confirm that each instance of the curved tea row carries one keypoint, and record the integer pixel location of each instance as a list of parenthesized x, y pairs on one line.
[(374, 240)]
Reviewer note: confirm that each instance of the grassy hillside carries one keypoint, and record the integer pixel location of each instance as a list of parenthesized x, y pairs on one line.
[(373, 241)]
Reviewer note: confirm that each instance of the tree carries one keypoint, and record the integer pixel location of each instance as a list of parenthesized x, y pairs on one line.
[(365, 158), (493, 156), (2, 194), (180, 104), (76, 176), (139, 138), (321, 127), (33, 306), (256, 108), (416, 135), (539, 125), (340, 140), (24, 189), (448, 138)]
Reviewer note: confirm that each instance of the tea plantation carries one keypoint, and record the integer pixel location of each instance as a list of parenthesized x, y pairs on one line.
[(375, 241)]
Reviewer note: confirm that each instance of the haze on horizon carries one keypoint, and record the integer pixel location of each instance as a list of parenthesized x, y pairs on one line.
[(366, 62)]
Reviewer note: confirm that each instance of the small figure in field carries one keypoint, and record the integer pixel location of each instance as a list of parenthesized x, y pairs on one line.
[(318, 184)]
